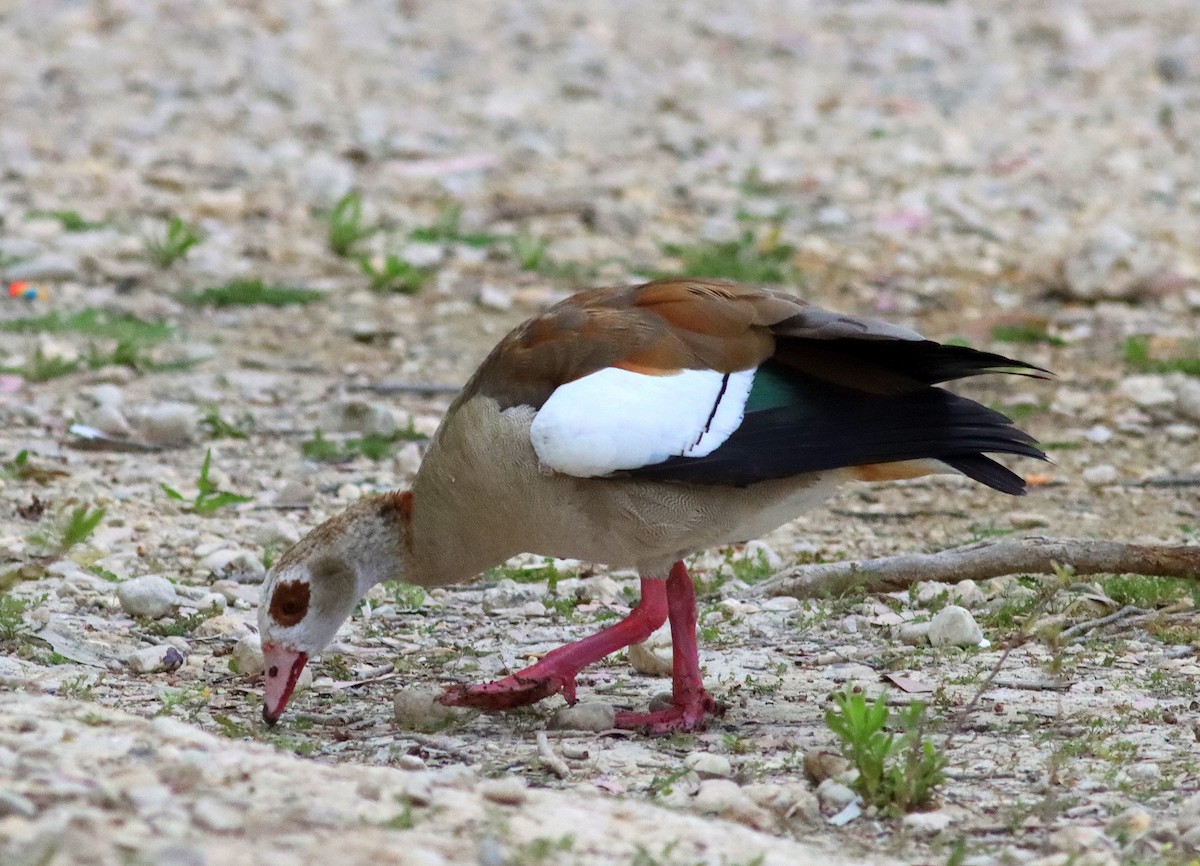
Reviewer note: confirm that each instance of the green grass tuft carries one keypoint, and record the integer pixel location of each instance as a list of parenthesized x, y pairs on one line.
[(1138, 357), (208, 498), (748, 259), (173, 244), (394, 275), (248, 293), (345, 225), (897, 773), (70, 220), (376, 446), (1025, 334)]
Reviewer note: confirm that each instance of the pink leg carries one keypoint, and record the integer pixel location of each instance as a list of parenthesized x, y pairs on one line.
[(690, 701), (556, 670)]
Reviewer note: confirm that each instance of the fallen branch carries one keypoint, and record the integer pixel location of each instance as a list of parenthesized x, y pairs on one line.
[(1032, 555)]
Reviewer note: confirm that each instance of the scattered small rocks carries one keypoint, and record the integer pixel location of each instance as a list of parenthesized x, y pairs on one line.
[(954, 626), (151, 596), (155, 659)]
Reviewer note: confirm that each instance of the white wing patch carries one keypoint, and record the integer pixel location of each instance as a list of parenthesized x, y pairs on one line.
[(614, 419)]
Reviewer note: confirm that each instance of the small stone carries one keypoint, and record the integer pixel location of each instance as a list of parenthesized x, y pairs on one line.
[(1098, 435), (507, 594), (834, 796), (1079, 839), (1146, 391), (109, 419), (150, 596), (416, 709), (1187, 398), (954, 626), (820, 764), (1131, 824), (509, 791), (50, 267), (717, 795), (928, 823), (653, 656), (155, 659), (758, 551), (243, 566), (531, 608), (295, 494), (494, 298), (781, 603), (590, 716), (211, 602), (914, 633), (1144, 772), (218, 817), (1100, 475), (967, 593), (168, 424), (247, 656), (1027, 520), (706, 765), (1181, 432), (226, 626), (12, 803), (412, 763), (358, 416)]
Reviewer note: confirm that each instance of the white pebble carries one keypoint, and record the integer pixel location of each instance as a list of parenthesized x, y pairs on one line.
[(247, 656), (1146, 391), (653, 656), (834, 796), (706, 765), (416, 709), (591, 716), (1101, 475), (1099, 434), (954, 626), (243, 566), (155, 659), (168, 424), (151, 596), (1181, 432)]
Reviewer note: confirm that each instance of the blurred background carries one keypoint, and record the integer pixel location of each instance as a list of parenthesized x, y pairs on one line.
[(911, 158)]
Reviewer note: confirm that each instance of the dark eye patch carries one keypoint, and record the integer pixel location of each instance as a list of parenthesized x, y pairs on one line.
[(289, 602)]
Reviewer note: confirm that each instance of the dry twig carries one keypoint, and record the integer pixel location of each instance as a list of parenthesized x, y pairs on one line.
[(1081, 628), (1032, 555), (549, 759)]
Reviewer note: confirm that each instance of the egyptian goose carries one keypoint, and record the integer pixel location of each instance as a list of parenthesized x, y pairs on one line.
[(631, 427)]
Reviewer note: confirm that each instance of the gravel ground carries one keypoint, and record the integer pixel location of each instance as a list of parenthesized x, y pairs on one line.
[(1020, 175)]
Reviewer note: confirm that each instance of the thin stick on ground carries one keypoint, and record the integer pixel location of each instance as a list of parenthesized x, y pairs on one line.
[(1082, 628), (1032, 555), (549, 759)]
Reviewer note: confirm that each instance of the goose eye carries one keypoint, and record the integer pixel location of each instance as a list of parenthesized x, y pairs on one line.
[(289, 602)]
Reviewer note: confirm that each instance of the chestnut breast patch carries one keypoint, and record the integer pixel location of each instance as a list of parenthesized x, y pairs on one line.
[(289, 602)]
